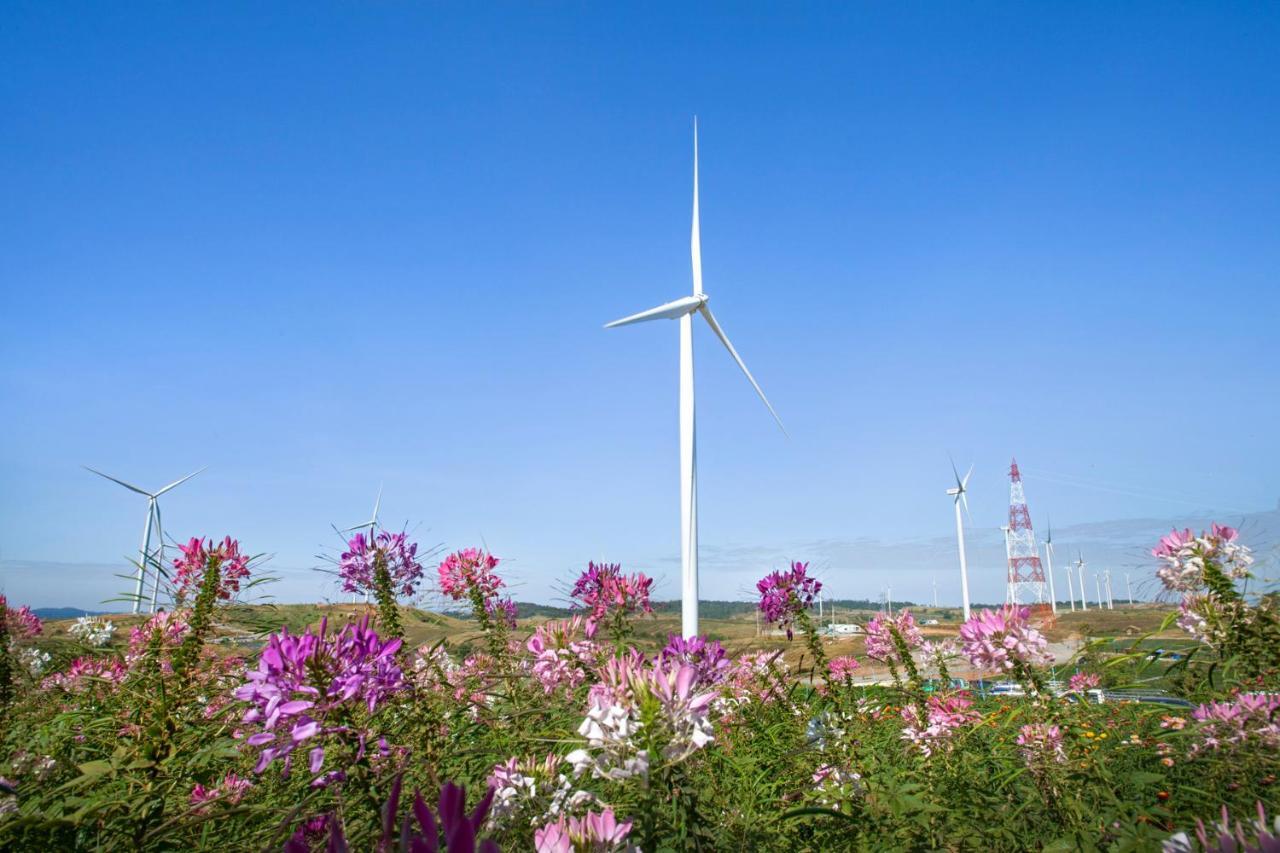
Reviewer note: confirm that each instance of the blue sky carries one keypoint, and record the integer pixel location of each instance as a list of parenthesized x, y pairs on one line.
[(317, 247)]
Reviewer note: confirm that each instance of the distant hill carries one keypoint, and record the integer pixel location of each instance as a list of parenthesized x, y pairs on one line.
[(65, 612)]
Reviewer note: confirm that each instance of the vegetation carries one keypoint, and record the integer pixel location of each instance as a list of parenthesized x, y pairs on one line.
[(337, 727)]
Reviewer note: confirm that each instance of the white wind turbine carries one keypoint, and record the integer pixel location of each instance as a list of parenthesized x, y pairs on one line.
[(961, 494), (1048, 554), (683, 309), (372, 524), (1084, 598), (145, 555)]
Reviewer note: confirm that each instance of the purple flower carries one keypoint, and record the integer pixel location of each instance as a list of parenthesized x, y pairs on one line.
[(785, 595), (707, 657), (450, 827), (357, 562), (502, 610), (301, 680)]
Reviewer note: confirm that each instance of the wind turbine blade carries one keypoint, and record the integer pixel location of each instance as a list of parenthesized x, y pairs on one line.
[(114, 480), (964, 499), (724, 339), (376, 504), (695, 235), (965, 483), (669, 311), (177, 483), (954, 472)]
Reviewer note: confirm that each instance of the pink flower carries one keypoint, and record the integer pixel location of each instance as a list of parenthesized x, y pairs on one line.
[(21, 624), (189, 569), (1184, 557), (599, 833), (1082, 681), (1251, 718), (463, 572), (1003, 639), (880, 642), (230, 790), (944, 715), (561, 657), (602, 589), (842, 667), (84, 673), (785, 595), (1041, 743)]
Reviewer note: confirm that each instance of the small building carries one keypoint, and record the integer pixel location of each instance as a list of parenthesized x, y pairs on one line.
[(843, 629)]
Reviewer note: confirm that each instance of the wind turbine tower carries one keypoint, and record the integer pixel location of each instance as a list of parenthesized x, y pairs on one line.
[(683, 309), (1071, 590), (1026, 576), (1080, 564), (961, 494), (1048, 556)]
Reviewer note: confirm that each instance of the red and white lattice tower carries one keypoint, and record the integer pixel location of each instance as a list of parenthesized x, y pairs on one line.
[(1026, 577)]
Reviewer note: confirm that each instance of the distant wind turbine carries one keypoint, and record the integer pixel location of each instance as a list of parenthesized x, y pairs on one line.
[(961, 494), (1048, 554), (1084, 597), (372, 524), (145, 556), (682, 309), (1071, 590)]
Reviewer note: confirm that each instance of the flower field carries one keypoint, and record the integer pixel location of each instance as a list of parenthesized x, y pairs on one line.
[(332, 732)]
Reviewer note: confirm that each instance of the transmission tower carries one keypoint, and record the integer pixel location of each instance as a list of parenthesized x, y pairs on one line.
[(1026, 577)]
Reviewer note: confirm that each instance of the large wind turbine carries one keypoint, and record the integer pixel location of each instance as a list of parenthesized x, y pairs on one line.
[(682, 309), (145, 555), (961, 494)]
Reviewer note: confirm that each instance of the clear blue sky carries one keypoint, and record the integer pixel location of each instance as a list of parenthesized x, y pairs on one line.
[(321, 246)]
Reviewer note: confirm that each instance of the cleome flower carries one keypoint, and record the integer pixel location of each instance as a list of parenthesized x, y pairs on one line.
[(880, 642), (603, 591), (645, 707), (1082, 681), (21, 623), (301, 682), (945, 714), (356, 565), (706, 656), (93, 631), (562, 656), (785, 595), (1041, 744), (196, 556), (597, 833), (1003, 639), (471, 569), (1184, 557)]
